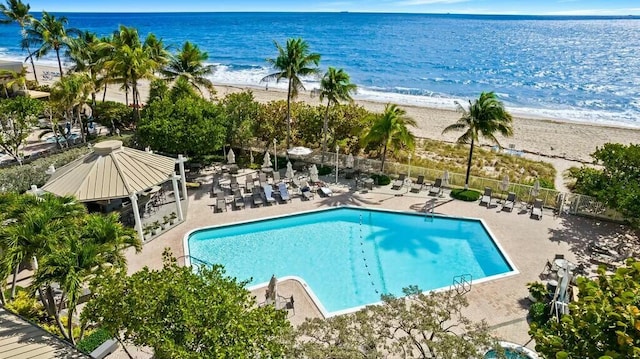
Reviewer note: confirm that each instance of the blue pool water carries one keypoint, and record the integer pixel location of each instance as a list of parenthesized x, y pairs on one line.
[(348, 264)]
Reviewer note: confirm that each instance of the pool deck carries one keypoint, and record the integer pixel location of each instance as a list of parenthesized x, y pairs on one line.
[(502, 302)]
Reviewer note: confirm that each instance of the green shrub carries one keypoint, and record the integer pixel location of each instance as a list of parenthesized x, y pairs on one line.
[(539, 313), (112, 113), (20, 178), (381, 179), (325, 170), (93, 340), (467, 195), (26, 305)]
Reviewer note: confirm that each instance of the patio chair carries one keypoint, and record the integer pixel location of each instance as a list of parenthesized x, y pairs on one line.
[(486, 197), (417, 187), (284, 192), (536, 210), (238, 200), (257, 199), (248, 187), (268, 193), (276, 177), (325, 190), (296, 182), (510, 202), (436, 187), (221, 205), (263, 178), (397, 184), (233, 184), (306, 191)]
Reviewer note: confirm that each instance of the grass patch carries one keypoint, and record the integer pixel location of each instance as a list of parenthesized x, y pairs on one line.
[(467, 195), (93, 340)]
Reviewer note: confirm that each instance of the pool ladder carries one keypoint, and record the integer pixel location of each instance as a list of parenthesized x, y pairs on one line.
[(462, 283), (429, 209)]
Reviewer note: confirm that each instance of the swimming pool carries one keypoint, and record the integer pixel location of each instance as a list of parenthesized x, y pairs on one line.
[(349, 256)]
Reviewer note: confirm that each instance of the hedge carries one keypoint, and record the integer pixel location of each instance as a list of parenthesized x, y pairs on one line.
[(381, 179), (93, 340), (467, 195)]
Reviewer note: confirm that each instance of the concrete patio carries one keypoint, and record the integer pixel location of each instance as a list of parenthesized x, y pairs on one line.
[(502, 302)]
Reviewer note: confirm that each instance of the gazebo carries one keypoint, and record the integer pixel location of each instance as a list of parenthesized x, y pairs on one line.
[(112, 171)]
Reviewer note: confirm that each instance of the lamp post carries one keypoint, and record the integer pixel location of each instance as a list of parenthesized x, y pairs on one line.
[(275, 155), (337, 149)]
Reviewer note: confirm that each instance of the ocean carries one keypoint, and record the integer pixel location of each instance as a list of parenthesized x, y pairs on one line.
[(569, 68)]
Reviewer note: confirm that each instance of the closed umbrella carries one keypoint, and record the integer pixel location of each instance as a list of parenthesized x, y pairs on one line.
[(504, 185), (348, 163), (267, 160), (289, 172), (313, 173), (272, 289), (535, 191), (231, 157), (445, 179)]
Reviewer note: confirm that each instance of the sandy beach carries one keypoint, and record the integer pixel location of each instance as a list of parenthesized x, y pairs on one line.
[(548, 137)]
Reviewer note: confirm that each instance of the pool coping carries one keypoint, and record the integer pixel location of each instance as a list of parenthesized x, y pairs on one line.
[(514, 270)]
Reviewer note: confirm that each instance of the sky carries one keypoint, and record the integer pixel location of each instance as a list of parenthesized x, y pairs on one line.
[(514, 7)]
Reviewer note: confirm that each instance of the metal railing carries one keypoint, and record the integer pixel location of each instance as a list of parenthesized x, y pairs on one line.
[(560, 202)]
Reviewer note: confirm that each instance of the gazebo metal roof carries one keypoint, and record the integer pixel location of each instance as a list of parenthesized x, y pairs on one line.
[(110, 171)]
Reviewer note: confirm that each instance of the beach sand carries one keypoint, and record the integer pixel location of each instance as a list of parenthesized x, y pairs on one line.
[(551, 138)]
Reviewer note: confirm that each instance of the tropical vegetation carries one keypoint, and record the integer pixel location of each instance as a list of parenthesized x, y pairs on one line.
[(615, 180), (391, 130), (293, 63), (188, 64), (335, 86), (485, 117), (18, 12), (602, 323), (17, 118), (50, 33)]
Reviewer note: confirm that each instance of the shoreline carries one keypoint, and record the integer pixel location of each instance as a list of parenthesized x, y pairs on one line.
[(554, 138)]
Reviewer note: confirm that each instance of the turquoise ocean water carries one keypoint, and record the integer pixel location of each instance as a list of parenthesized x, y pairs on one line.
[(349, 257), (574, 68)]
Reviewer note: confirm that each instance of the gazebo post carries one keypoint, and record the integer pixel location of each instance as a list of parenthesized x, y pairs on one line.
[(174, 179), (181, 160), (136, 215)]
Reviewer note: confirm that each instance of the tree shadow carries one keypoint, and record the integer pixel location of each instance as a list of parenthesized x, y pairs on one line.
[(345, 199)]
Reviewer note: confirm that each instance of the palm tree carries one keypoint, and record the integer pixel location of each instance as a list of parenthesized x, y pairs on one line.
[(485, 116), (292, 63), (85, 55), (51, 34), (390, 129), (188, 63), (335, 86), (70, 94), (13, 78), (17, 11)]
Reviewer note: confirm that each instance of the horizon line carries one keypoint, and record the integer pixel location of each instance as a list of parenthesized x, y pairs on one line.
[(343, 12)]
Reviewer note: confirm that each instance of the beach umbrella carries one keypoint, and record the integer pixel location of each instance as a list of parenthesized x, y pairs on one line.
[(348, 163), (289, 172), (272, 289), (313, 173), (535, 191), (445, 179), (299, 151), (251, 156), (231, 157), (267, 160), (504, 185)]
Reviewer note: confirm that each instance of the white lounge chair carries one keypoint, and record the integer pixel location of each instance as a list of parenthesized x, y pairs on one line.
[(284, 192), (268, 193)]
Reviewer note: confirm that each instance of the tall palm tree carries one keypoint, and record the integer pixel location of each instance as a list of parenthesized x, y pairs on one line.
[(70, 94), (188, 63), (390, 129), (292, 63), (51, 34), (335, 86), (85, 55), (485, 117), (17, 11)]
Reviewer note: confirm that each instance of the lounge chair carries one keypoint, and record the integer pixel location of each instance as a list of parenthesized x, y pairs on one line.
[(248, 187), (238, 200), (486, 197), (221, 205), (234, 183), (268, 193), (510, 202), (417, 187), (536, 210), (325, 191), (284, 192), (296, 182), (263, 178), (436, 188), (306, 191), (276, 177), (257, 199), (397, 184)]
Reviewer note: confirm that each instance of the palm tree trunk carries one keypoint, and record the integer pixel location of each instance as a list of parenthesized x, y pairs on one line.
[(3, 299), (70, 326), (466, 180), (52, 301), (14, 280), (104, 94), (82, 133), (289, 117), (33, 66), (325, 129), (59, 62), (384, 155)]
